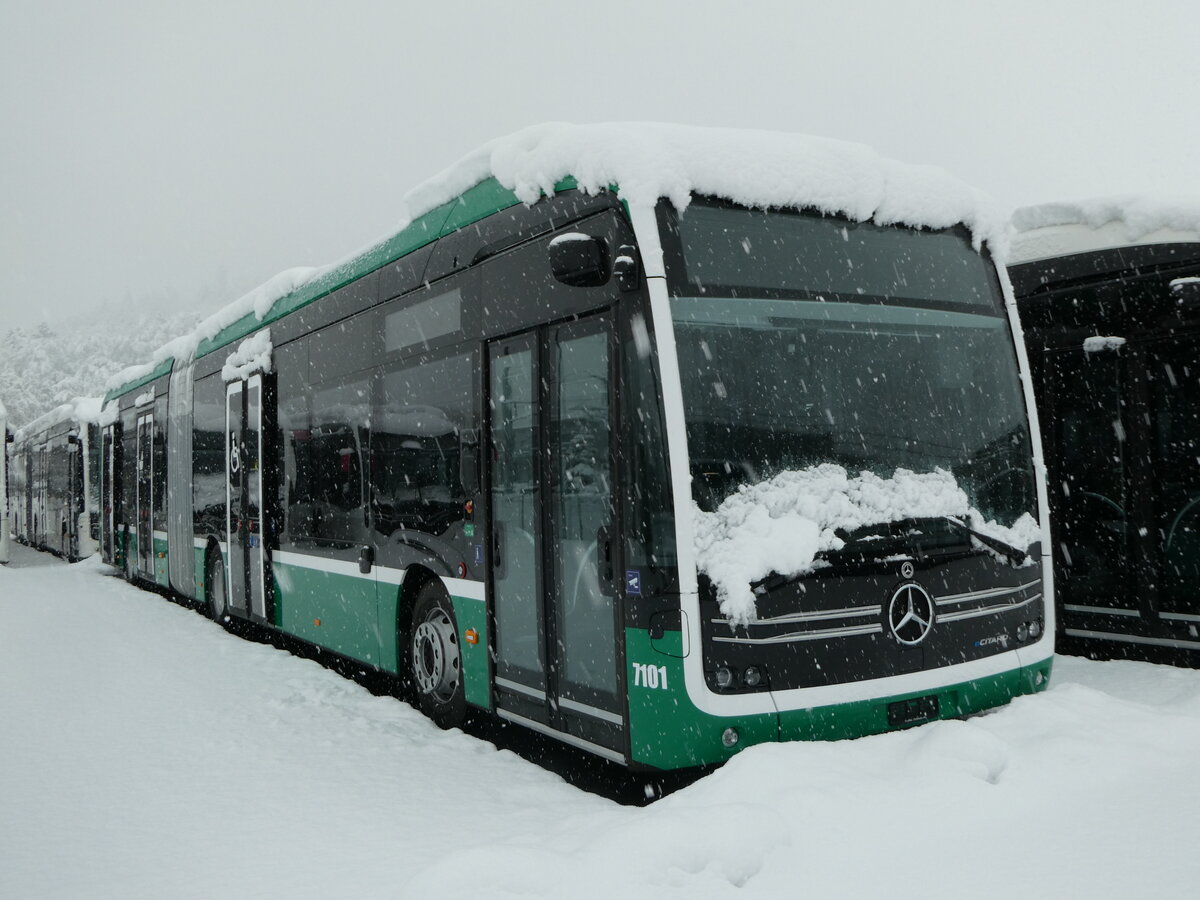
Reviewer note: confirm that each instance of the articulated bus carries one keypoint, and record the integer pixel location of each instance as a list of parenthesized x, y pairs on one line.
[(1111, 313), (53, 492), (476, 455), (5, 436)]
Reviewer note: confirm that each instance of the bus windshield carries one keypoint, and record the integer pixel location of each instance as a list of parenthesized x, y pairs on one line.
[(806, 339)]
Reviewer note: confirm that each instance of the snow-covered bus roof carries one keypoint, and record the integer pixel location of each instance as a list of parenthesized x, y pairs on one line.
[(642, 162), (1101, 223), (82, 410)]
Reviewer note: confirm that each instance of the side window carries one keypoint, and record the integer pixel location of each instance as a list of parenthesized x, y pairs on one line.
[(208, 457), (423, 411), (160, 463), (129, 465), (323, 439)]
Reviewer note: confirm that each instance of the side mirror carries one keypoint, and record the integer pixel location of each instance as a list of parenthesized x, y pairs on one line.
[(1186, 292), (579, 260)]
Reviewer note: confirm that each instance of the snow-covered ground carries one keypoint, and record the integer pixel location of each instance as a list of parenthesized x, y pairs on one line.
[(144, 752)]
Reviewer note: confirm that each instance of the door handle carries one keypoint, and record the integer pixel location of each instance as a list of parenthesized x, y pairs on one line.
[(604, 560)]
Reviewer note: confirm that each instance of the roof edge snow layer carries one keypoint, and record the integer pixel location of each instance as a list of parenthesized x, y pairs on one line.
[(81, 410), (1101, 223), (644, 162)]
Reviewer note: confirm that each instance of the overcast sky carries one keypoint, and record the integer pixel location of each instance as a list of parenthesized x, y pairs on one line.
[(181, 153)]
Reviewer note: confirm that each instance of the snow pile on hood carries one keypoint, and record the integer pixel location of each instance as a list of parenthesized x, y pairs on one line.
[(252, 355), (649, 161), (1058, 229), (782, 524), (1099, 344)]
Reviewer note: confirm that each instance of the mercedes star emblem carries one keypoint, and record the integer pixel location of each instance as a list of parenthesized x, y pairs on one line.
[(910, 614)]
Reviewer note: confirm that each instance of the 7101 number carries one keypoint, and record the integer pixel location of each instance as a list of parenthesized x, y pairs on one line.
[(653, 677)]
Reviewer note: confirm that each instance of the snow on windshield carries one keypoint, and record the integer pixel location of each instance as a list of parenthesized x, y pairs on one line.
[(782, 524)]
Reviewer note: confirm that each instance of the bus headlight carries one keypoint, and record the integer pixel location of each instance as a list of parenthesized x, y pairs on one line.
[(1035, 629), (730, 737), (752, 677), (724, 678)]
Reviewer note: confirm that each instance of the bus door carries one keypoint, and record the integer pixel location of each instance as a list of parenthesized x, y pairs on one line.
[(551, 500), (145, 494), (1090, 487), (74, 501), (247, 563), (1173, 479), (107, 491)]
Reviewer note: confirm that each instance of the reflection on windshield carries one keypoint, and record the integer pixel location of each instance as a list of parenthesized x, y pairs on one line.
[(777, 385)]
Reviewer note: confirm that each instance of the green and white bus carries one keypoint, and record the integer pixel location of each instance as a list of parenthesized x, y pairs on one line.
[(479, 454), (53, 496)]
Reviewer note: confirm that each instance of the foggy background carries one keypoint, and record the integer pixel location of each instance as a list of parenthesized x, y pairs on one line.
[(161, 156)]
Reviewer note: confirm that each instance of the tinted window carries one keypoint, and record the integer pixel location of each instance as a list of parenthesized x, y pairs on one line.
[(208, 457), (418, 428), (740, 252), (421, 322), (323, 441)]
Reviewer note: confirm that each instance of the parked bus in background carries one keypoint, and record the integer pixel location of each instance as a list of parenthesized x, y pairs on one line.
[(53, 491), (1109, 295), (516, 453), (5, 435)]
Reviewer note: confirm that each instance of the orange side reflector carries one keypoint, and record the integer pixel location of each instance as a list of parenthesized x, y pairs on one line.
[(471, 636), (317, 622)]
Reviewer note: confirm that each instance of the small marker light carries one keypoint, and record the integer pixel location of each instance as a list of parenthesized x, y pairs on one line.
[(752, 677), (462, 570), (1035, 629), (1023, 632), (469, 506), (471, 636), (724, 678), (317, 622), (730, 737)]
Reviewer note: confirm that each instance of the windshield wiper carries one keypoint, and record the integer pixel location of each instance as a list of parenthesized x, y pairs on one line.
[(910, 530), (1014, 554), (900, 533)]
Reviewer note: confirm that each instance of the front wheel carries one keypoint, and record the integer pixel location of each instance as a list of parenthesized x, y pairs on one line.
[(434, 660)]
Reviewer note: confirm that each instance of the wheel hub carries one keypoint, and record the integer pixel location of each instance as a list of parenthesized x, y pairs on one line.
[(435, 656)]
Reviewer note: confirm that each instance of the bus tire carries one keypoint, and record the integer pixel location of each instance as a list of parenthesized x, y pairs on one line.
[(214, 588), (434, 657)]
